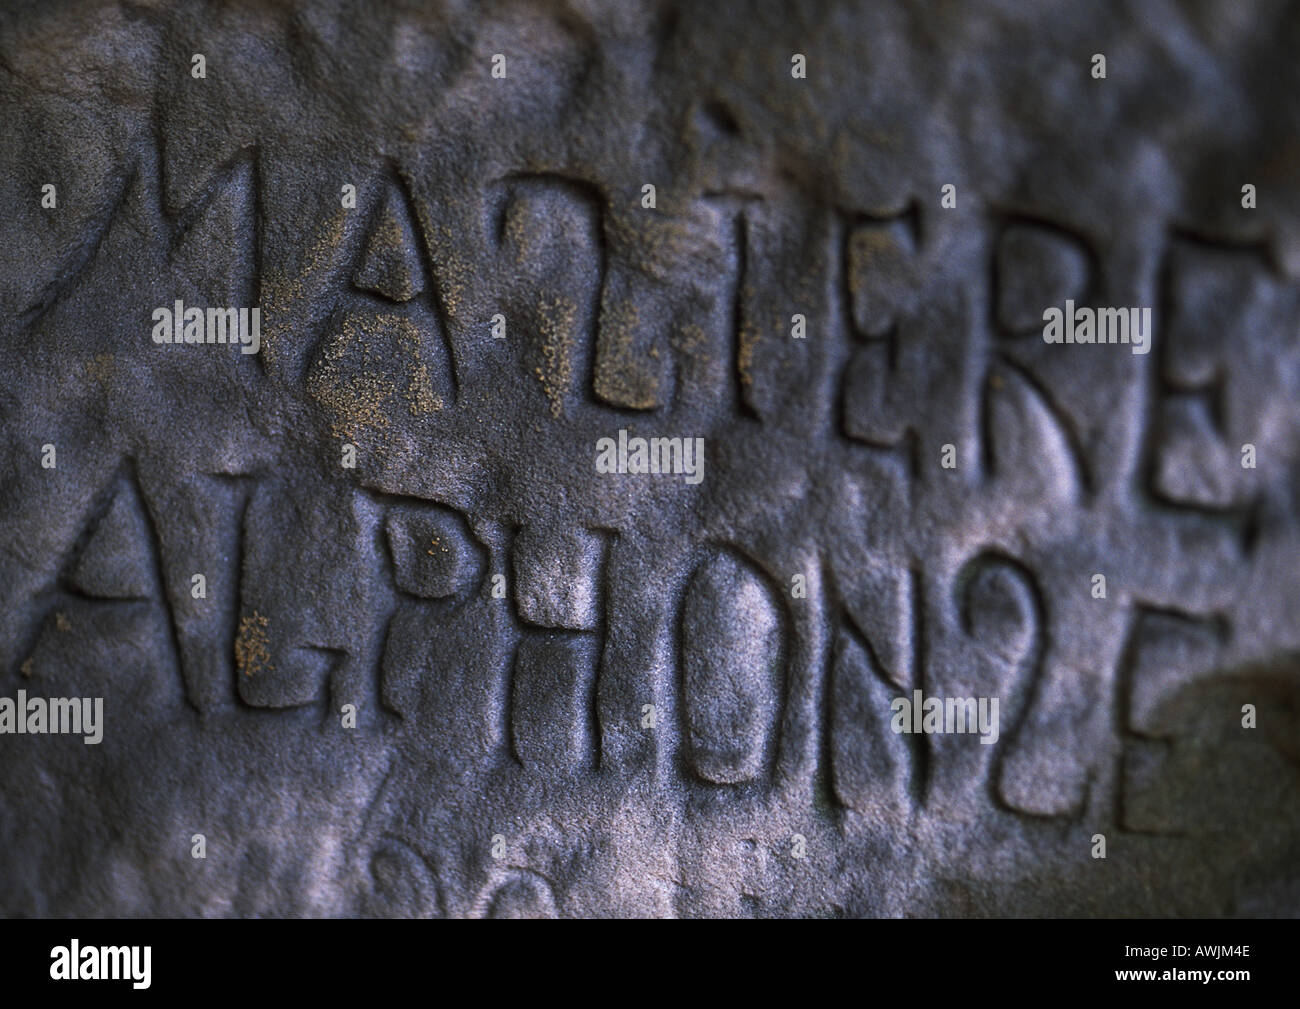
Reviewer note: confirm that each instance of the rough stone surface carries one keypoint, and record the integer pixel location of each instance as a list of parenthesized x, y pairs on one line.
[(590, 694)]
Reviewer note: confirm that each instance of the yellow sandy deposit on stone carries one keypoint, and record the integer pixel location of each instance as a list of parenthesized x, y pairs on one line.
[(449, 267), (61, 622), (355, 402), (620, 378), (689, 339), (749, 337), (253, 647), (283, 297), (557, 349), (388, 233), (101, 368), (517, 234), (420, 398), (808, 290), (351, 380), (658, 245), (875, 257), (690, 344)]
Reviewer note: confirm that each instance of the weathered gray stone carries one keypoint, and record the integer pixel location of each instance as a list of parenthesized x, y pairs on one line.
[(444, 665)]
